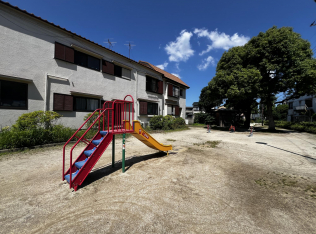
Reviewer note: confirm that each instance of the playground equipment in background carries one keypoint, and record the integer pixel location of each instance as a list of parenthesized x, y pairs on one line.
[(232, 128), (115, 117), (208, 128), (251, 131)]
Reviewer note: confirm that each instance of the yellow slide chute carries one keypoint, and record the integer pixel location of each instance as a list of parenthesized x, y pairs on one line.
[(145, 137)]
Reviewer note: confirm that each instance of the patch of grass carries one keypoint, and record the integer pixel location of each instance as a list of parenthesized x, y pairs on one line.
[(197, 125), (208, 144), (171, 140), (168, 131)]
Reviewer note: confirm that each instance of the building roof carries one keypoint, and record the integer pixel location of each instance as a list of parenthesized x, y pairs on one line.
[(166, 74), (57, 26)]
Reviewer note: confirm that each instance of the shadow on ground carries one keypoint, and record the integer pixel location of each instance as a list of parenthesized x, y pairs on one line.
[(265, 129), (304, 156), (100, 172)]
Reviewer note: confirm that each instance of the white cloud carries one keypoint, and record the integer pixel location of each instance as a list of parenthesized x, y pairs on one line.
[(177, 67), (162, 66), (180, 49), (177, 75), (206, 63), (221, 40)]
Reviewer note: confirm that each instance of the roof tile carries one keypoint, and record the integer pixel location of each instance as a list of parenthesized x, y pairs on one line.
[(166, 74)]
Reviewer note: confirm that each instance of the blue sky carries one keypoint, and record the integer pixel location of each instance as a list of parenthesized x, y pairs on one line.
[(183, 37)]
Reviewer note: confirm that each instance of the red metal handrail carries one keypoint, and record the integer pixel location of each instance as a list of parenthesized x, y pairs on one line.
[(117, 111), (71, 139), (70, 165)]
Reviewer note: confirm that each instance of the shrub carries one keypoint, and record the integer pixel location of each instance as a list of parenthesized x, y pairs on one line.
[(178, 122), (167, 122), (35, 128), (156, 122), (36, 119), (93, 118)]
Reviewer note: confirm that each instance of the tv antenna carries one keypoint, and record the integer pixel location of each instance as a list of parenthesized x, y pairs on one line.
[(130, 46), (111, 44)]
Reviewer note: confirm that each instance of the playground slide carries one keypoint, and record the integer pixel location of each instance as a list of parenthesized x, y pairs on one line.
[(145, 137)]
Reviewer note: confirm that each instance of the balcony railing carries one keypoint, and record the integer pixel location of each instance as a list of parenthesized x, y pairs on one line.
[(300, 108)]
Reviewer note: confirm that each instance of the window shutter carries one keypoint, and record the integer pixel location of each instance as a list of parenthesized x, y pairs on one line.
[(177, 111), (58, 104), (107, 67), (126, 73), (69, 54), (59, 51), (143, 108), (160, 87), (170, 90), (68, 103)]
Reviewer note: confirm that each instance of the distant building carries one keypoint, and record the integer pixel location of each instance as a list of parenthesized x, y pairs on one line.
[(302, 108), (190, 111)]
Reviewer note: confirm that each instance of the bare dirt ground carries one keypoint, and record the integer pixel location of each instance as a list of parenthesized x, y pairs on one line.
[(260, 184)]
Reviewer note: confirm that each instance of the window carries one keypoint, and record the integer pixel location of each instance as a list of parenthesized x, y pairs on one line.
[(13, 95), (117, 71), (151, 84), (173, 91), (181, 92), (173, 110), (290, 105), (87, 61), (309, 103), (148, 108), (86, 104), (126, 73), (152, 108), (154, 85), (176, 91)]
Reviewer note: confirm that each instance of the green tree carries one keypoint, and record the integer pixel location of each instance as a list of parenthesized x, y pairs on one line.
[(276, 61), (280, 112), (236, 82), (285, 63)]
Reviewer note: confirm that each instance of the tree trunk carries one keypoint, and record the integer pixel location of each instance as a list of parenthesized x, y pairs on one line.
[(247, 115), (270, 116)]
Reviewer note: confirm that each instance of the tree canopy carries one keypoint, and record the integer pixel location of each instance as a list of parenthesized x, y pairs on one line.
[(276, 61)]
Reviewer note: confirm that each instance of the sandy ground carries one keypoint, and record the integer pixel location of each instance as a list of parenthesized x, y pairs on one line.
[(262, 184)]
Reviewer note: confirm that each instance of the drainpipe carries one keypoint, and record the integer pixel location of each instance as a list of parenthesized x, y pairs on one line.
[(46, 87)]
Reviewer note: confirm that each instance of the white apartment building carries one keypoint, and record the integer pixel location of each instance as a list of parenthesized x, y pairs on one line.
[(46, 67), (300, 106)]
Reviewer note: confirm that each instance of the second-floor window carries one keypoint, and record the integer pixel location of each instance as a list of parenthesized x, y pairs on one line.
[(176, 91), (290, 105), (86, 60), (173, 91), (154, 85)]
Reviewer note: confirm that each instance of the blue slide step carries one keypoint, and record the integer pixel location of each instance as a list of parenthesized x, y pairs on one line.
[(96, 142), (89, 152), (103, 133), (67, 177), (81, 163)]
